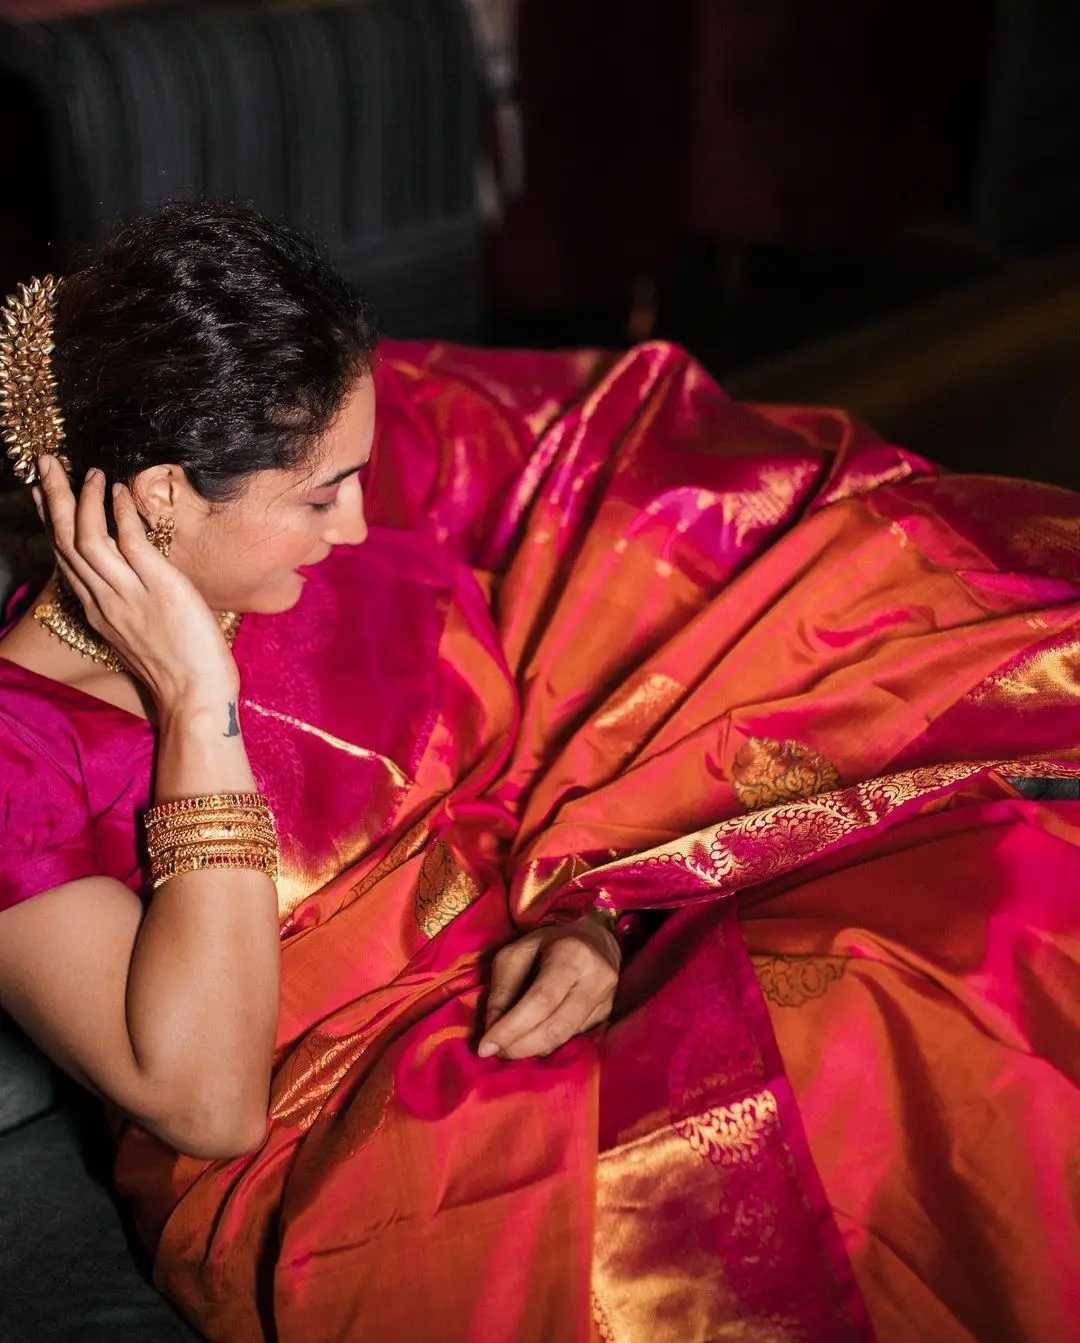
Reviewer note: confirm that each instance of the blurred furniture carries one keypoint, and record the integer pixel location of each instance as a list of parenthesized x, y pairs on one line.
[(70, 1267), (357, 120)]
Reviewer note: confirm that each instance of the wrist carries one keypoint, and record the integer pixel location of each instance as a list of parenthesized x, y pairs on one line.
[(607, 918), (204, 703), (210, 713)]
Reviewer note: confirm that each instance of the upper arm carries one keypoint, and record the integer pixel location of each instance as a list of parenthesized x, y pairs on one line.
[(64, 961), (67, 933)]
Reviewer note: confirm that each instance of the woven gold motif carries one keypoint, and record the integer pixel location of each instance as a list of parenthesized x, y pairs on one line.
[(443, 891), (29, 411), (744, 850), (730, 1134), (311, 1074), (766, 772), (352, 1117), (791, 981), (604, 1331)]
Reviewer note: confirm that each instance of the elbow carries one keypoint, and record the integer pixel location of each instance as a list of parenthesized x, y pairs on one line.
[(214, 1132), (223, 1141)]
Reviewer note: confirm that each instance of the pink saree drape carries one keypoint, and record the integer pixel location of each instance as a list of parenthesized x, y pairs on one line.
[(618, 639)]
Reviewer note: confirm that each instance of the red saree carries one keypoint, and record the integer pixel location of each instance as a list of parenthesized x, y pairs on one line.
[(618, 639)]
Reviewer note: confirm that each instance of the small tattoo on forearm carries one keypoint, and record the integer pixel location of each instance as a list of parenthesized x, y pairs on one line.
[(234, 725)]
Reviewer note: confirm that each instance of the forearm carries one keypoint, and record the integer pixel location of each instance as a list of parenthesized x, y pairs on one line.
[(202, 994)]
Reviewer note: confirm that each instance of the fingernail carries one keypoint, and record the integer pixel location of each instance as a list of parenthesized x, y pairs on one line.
[(117, 487), (43, 467), (35, 494), (91, 475), (487, 1048)]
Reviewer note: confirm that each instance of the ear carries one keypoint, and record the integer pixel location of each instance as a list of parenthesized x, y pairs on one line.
[(157, 491)]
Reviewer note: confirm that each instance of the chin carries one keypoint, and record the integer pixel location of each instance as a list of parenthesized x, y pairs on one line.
[(273, 603)]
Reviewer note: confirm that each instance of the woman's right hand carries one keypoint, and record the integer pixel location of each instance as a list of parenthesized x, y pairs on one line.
[(144, 606)]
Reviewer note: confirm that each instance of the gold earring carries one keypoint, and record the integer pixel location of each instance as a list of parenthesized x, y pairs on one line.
[(160, 535)]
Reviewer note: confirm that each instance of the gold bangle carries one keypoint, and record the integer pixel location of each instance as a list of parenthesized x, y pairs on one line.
[(206, 860), (241, 828), (218, 830), (213, 846), (207, 802)]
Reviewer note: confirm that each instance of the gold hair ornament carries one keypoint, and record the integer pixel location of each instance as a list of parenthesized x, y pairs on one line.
[(32, 425), (29, 411)]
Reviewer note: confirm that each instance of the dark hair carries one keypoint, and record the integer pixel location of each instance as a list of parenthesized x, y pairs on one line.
[(206, 336)]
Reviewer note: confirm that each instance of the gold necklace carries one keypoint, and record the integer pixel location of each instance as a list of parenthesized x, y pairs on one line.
[(65, 620)]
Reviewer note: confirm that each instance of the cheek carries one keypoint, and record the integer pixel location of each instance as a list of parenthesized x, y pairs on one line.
[(273, 545)]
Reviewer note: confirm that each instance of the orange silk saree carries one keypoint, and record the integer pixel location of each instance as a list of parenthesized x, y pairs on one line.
[(770, 688)]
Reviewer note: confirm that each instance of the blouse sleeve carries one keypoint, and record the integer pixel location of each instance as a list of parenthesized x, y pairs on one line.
[(46, 834)]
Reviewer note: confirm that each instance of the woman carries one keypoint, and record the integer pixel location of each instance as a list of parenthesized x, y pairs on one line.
[(771, 690)]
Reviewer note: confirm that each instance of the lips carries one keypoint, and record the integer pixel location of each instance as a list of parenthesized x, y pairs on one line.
[(305, 569)]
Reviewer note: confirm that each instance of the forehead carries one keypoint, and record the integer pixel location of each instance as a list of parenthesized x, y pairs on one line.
[(348, 439), (344, 446)]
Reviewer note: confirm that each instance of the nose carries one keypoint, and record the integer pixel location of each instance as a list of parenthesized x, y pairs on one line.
[(350, 525)]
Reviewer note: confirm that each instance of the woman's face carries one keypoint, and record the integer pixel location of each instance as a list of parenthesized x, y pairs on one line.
[(249, 554)]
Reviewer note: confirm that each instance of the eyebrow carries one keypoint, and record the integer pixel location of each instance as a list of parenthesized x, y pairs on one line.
[(336, 480)]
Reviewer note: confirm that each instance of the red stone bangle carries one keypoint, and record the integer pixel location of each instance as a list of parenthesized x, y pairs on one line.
[(210, 802)]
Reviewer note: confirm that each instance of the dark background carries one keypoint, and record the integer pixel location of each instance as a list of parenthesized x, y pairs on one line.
[(870, 203)]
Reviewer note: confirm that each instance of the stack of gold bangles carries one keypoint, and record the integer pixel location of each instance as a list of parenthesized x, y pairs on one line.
[(221, 830)]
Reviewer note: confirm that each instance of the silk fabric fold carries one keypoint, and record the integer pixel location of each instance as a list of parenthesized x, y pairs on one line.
[(760, 681)]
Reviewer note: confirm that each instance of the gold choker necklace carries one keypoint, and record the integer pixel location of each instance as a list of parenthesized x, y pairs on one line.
[(65, 620)]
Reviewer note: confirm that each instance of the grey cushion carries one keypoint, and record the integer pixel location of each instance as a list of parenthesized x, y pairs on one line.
[(26, 1079), (1048, 790), (69, 1271)]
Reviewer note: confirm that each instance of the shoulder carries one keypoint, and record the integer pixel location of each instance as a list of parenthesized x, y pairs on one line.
[(36, 722), (45, 834)]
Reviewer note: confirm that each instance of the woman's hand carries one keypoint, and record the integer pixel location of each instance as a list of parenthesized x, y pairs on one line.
[(132, 596), (577, 970)]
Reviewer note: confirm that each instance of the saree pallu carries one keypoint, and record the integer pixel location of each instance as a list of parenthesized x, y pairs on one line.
[(770, 688)]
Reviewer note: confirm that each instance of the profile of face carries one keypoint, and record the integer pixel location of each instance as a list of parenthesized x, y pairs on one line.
[(249, 554)]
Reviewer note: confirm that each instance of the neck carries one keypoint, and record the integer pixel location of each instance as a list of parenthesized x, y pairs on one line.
[(59, 611)]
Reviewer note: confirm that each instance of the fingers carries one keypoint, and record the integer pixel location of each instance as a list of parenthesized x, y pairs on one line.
[(509, 972), (93, 544), (540, 1002), (75, 536), (573, 991), (131, 535), (58, 504), (88, 556), (47, 521), (579, 1011)]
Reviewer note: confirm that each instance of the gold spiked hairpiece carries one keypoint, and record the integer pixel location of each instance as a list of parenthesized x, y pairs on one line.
[(29, 412)]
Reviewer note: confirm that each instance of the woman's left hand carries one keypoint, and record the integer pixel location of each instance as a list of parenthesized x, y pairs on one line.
[(577, 969)]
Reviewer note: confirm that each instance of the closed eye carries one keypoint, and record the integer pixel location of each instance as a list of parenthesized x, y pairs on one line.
[(361, 474)]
